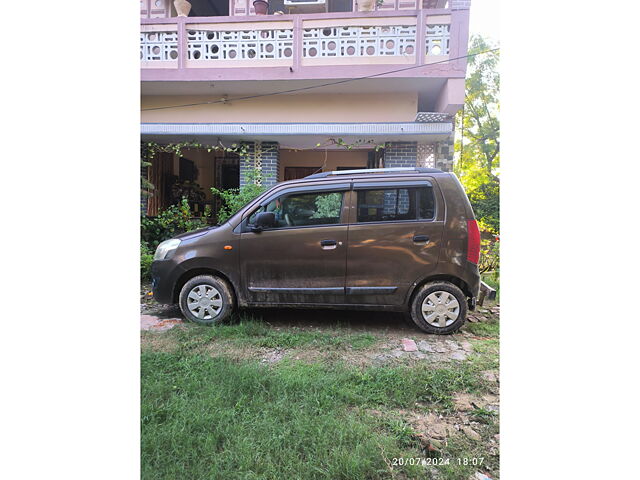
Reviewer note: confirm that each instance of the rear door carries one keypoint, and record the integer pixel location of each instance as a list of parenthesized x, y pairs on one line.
[(303, 259), (395, 234)]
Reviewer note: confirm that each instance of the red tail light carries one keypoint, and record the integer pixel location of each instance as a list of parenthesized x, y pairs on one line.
[(473, 241)]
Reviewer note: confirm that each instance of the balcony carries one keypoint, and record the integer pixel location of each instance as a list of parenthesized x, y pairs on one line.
[(305, 46)]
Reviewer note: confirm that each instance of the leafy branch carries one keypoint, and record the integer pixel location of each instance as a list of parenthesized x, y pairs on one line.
[(153, 148)]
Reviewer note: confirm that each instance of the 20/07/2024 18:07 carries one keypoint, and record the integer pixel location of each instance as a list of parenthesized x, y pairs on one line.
[(436, 461)]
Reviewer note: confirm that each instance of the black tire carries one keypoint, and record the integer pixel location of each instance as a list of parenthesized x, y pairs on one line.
[(407, 320), (224, 294), (434, 287)]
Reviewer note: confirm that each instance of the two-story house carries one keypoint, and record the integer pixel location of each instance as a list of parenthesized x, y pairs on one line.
[(312, 85)]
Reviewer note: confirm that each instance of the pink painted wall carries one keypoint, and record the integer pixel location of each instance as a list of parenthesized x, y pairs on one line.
[(399, 107), (451, 97)]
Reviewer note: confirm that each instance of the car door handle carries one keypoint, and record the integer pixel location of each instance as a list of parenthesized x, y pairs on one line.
[(328, 244), (420, 238)]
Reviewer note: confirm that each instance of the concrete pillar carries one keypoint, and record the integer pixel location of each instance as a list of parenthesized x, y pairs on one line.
[(270, 163), (247, 162), (400, 154), (413, 154), (451, 96), (263, 156), (444, 155)]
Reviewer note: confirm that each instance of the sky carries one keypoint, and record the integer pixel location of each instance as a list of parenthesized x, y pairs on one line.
[(485, 19)]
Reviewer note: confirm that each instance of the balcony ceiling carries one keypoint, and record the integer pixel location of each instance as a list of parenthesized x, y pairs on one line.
[(427, 86)]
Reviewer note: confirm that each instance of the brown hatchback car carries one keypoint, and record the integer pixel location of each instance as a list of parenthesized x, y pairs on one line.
[(398, 239)]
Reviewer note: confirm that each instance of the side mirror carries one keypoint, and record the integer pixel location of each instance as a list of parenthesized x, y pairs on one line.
[(264, 220)]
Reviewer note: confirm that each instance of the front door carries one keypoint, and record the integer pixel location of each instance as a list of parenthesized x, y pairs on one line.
[(395, 234), (302, 259)]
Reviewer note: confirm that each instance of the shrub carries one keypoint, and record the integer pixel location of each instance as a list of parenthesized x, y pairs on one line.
[(146, 257), (489, 256), (234, 199), (489, 250), (171, 222)]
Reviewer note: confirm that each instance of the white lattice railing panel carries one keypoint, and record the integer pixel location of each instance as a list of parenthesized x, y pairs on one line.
[(358, 41), (240, 45), (426, 155), (158, 46), (437, 39)]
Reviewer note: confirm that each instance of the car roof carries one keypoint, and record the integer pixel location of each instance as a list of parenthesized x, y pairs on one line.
[(381, 174)]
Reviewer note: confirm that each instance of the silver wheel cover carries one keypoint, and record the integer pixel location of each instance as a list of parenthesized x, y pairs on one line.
[(440, 309), (204, 302)]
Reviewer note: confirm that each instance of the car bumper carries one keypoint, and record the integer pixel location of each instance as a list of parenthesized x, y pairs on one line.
[(472, 278), (164, 275), (472, 303)]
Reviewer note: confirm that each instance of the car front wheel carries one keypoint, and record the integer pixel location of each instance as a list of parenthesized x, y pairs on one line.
[(439, 308), (206, 300)]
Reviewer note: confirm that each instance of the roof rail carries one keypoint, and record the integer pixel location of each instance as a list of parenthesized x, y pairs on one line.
[(375, 170)]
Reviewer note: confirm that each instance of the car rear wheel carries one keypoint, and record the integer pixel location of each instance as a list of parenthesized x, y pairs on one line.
[(206, 300), (439, 307)]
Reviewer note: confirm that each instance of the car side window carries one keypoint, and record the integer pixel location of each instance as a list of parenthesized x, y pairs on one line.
[(395, 204), (427, 203), (386, 205), (304, 209)]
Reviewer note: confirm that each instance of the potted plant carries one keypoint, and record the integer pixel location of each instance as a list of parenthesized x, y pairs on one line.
[(366, 5), (261, 7), (182, 7)]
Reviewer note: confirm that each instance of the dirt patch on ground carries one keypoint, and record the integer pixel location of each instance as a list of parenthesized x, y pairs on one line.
[(229, 349), (383, 352), (389, 329), (435, 430), (466, 402), (156, 343)]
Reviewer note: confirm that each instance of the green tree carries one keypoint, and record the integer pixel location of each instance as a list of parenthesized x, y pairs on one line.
[(478, 133)]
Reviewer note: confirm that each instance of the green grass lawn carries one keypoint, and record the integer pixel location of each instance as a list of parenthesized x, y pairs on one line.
[(214, 417)]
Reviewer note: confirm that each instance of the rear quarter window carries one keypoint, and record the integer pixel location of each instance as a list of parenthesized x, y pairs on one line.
[(395, 204)]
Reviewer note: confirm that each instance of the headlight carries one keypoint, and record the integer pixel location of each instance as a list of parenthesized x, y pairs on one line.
[(166, 248)]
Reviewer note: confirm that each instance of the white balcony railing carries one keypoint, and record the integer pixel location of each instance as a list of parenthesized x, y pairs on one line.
[(225, 45), (359, 41), (302, 40)]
